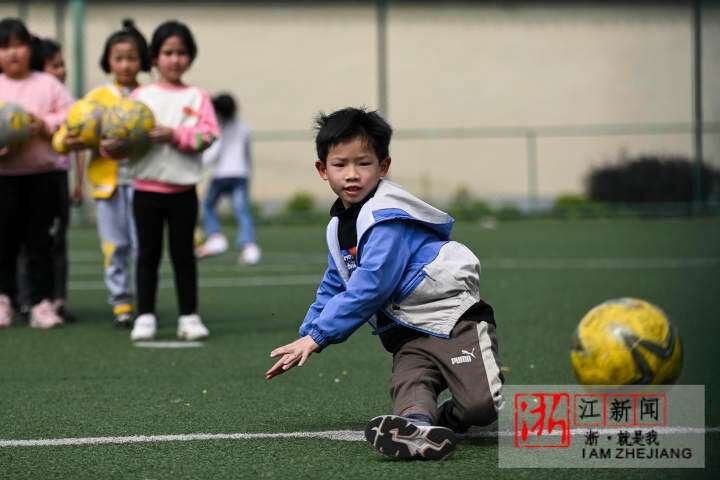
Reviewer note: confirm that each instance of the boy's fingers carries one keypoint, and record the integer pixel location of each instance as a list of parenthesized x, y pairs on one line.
[(274, 368), (303, 358), (279, 351), (289, 359), (290, 363)]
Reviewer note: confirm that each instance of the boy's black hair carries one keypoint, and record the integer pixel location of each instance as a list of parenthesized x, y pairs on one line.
[(173, 28), (128, 33), (43, 50), (349, 123), (225, 106), (14, 27)]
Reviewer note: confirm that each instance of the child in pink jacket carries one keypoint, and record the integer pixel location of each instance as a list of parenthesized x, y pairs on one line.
[(27, 206)]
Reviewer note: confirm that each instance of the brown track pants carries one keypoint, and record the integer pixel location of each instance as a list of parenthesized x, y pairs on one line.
[(467, 364)]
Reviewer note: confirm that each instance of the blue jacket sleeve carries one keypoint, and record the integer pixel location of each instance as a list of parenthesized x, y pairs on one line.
[(330, 286), (384, 257)]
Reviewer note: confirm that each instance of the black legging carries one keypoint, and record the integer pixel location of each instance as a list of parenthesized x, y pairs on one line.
[(27, 208), (61, 201), (180, 211)]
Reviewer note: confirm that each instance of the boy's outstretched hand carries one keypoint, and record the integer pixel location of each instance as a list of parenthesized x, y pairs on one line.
[(294, 354)]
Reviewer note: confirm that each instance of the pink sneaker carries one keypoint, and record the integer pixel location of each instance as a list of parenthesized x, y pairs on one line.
[(43, 315), (6, 311)]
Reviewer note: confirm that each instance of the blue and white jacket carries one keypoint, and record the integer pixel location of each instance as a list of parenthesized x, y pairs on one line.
[(407, 266)]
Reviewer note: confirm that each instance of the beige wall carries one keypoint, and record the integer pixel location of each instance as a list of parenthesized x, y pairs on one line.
[(450, 66)]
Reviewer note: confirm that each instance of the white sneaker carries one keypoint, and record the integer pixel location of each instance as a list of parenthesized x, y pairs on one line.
[(214, 245), (144, 327), (43, 315), (190, 327), (6, 311), (251, 254)]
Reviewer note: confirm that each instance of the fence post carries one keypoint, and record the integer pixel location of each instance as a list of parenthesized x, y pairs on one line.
[(77, 8), (382, 13), (697, 104), (532, 173), (23, 10)]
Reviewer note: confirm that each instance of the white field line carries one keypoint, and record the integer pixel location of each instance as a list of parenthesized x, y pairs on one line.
[(266, 281), (293, 260), (616, 263), (95, 256), (495, 264), (167, 344), (341, 435), (97, 269)]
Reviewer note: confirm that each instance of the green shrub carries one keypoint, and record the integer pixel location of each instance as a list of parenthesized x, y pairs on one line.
[(465, 207), (509, 211), (578, 206), (650, 179), (300, 203)]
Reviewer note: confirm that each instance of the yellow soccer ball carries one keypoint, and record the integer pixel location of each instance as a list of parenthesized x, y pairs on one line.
[(626, 341), (14, 125), (131, 121), (84, 120)]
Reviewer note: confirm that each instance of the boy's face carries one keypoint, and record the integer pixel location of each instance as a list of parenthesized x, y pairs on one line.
[(353, 170)]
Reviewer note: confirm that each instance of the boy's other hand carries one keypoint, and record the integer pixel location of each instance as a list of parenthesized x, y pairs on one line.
[(294, 354), (161, 135)]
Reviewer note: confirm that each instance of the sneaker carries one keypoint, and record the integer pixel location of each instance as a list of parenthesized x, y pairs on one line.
[(123, 316), (190, 327), (43, 315), (123, 321), (214, 245), (250, 255), (144, 327), (399, 437), (6, 311), (447, 419), (65, 313)]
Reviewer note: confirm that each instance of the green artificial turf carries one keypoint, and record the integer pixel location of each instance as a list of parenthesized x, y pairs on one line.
[(87, 380)]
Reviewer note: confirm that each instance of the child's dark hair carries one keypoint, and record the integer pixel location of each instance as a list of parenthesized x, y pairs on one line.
[(172, 28), (225, 107), (43, 50), (14, 27), (350, 123), (127, 34)]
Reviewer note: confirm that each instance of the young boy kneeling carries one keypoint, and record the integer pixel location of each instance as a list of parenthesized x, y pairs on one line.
[(392, 264)]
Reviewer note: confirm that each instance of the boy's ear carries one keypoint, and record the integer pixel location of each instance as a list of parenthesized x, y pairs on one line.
[(385, 166), (322, 169)]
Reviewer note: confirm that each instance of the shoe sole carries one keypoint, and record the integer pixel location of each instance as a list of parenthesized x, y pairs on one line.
[(399, 438), (141, 338), (45, 326), (187, 336)]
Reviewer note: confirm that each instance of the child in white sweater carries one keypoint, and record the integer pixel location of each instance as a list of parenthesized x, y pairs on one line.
[(165, 179)]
